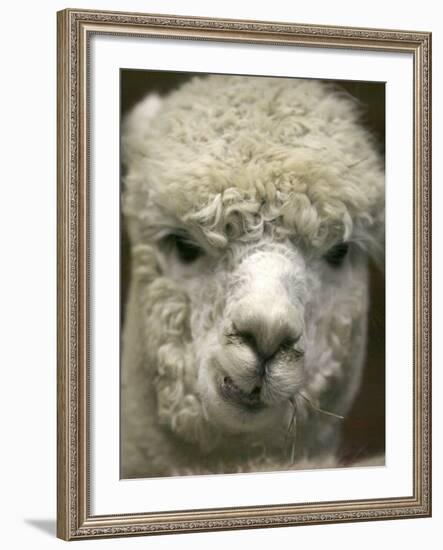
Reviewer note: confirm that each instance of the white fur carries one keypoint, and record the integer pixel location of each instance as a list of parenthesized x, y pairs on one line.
[(265, 176)]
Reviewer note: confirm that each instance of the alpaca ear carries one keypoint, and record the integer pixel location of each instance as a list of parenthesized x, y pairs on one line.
[(135, 126)]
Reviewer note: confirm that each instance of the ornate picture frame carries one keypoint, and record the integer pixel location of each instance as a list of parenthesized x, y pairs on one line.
[(76, 518)]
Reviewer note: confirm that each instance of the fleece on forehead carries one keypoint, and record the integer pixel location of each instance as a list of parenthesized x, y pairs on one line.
[(291, 147)]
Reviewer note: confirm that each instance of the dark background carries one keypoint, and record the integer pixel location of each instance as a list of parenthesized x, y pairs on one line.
[(364, 427)]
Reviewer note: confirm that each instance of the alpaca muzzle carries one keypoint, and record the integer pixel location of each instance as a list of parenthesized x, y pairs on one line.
[(263, 333)]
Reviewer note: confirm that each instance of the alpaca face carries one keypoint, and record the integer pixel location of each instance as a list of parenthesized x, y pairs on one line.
[(269, 321), (252, 205)]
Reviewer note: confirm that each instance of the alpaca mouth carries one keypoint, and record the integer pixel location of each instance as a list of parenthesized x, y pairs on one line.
[(248, 400)]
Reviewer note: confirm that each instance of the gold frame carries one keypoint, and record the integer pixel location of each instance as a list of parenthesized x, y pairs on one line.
[(75, 27)]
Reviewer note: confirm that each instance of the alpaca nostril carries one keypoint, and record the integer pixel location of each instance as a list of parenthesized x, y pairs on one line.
[(266, 349), (248, 338), (266, 324), (289, 342)]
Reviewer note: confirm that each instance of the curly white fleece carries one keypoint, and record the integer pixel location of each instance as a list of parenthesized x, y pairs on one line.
[(242, 164)]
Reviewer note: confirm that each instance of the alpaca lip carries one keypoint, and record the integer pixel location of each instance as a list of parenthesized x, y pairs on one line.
[(250, 401)]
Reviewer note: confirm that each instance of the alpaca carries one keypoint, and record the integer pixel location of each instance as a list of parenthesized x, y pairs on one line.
[(252, 206)]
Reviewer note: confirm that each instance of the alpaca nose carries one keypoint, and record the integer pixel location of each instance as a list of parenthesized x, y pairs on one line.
[(267, 327)]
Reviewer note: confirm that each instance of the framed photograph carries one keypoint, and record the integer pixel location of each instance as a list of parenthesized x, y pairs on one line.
[(243, 274)]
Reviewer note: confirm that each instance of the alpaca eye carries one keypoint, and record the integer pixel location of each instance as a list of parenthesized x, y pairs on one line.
[(186, 250), (336, 255)]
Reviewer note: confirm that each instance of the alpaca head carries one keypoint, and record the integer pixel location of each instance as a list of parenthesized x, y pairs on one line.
[(252, 206)]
